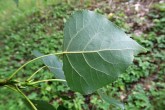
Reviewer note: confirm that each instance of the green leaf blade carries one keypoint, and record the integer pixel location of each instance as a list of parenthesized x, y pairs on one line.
[(40, 105), (53, 63), (96, 51)]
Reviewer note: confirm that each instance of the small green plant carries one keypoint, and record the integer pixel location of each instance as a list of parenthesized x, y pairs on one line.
[(95, 52)]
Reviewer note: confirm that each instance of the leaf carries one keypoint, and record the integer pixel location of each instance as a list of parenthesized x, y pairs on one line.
[(110, 100), (96, 52), (53, 63), (40, 105)]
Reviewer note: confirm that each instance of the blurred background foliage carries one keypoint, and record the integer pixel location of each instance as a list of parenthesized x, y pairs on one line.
[(30, 25)]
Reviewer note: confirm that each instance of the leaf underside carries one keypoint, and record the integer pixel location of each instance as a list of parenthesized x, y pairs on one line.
[(96, 52), (40, 105), (53, 63)]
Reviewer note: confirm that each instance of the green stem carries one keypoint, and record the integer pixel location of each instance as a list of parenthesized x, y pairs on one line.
[(10, 87), (30, 62), (47, 80), (15, 88), (30, 102), (35, 73), (2, 82), (10, 82)]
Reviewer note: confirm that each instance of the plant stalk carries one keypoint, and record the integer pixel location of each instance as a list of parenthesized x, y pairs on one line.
[(47, 80), (2, 82), (28, 63), (35, 73), (30, 102), (15, 88)]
